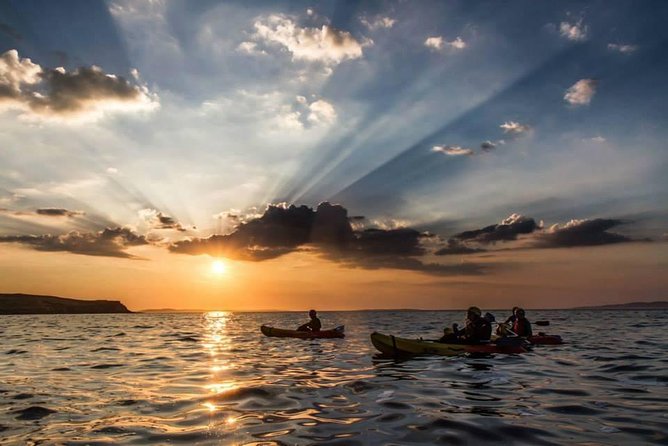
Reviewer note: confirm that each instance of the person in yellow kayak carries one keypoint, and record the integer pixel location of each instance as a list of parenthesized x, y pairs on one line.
[(478, 329), (313, 325)]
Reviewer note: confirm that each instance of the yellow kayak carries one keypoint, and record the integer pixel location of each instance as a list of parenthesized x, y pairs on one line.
[(396, 346)]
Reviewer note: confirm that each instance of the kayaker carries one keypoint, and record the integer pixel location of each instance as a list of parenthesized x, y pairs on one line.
[(511, 320), (313, 325), (478, 329), (504, 329), (522, 326)]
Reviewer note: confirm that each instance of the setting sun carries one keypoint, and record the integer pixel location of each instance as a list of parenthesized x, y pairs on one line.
[(218, 267)]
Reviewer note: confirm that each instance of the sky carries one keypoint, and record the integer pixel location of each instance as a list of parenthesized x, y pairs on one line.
[(341, 155)]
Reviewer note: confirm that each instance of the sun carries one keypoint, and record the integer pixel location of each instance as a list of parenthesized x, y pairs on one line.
[(218, 267)]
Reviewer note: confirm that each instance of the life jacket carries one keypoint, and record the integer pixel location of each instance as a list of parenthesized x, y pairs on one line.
[(520, 327)]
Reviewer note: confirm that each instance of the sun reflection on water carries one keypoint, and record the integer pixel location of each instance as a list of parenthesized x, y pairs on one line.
[(218, 343)]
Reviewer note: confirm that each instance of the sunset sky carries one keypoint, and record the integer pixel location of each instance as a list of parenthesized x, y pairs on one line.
[(176, 154)]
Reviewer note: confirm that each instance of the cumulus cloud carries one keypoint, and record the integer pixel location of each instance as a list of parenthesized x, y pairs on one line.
[(439, 43), (85, 93), (378, 22), (327, 44), (587, 232), (321, 112), (157, 220), (452, 150), (285, 229), (598, 139), (576, 32), (509, 229), (622, 48), (110, 242), (581, 92), (514, 128), (581, 233)]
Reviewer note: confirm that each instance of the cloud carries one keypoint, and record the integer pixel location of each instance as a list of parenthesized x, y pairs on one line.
[(509, 229), (56, 212), (85, 93), (452, 150), (587, 232), (456, 247), (16, 74), (576, 32), (487, 146), (514, 128), (250, 48), (581, 92), (580, 233), (622, 48), (327, 44), (438, 43), (597, 139), (157, 220), (327, 229), (378, 22), (321, 112), (110, 242)]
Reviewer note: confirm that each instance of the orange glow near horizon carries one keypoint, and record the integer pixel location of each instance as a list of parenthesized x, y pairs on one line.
[(538, 279)]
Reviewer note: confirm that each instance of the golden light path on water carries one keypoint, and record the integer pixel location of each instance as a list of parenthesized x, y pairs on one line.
[(217, 342)]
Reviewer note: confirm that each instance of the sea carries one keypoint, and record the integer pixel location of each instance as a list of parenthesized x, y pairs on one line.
[(214, 379)]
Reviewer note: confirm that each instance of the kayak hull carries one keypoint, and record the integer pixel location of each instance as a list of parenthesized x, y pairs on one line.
[(273, 332), (396, 346)]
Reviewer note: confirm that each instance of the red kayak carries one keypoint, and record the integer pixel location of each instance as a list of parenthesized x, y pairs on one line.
[(283, 333)]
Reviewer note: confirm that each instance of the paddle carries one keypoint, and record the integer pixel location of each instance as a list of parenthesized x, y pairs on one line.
[(542, 323)]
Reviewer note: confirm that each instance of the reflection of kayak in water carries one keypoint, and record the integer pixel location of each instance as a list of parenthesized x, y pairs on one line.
[(544, 339), (396, 346), (283, 333)]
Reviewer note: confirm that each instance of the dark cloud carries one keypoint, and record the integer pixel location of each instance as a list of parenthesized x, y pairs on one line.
[(507, 230), (74, 91), (281, 230), (55, 91), (110, 242), (487, 146), (57, 212), (581, 233), (456, 247)]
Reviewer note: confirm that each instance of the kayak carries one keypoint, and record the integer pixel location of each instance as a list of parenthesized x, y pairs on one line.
[(543, 339), (396, 346), (284, 333)]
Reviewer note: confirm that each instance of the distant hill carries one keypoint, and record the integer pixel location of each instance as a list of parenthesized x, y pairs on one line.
[(172, 310), (32, 304), (657, 305)]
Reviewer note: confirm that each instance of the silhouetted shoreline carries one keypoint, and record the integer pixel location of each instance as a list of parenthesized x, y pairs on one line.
[(35, 304)]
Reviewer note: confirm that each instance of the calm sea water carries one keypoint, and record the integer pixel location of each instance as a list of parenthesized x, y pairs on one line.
[(214, 379)]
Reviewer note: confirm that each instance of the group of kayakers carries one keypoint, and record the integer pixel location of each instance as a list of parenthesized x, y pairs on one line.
[(478, 328)]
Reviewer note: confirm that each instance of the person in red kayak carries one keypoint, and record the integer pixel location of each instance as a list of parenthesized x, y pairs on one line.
[(312, 325), (521, 326)]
